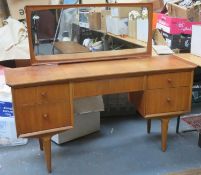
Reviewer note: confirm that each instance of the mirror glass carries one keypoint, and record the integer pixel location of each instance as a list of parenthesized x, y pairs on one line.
[(82, 32)]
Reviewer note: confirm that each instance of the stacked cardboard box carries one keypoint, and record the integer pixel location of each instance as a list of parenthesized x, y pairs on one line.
[(192, 12), (95, 20), (117, 22), (104, 14), (176, 25)]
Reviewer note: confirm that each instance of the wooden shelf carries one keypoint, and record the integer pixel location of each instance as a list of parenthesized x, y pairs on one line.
[(123, 38)]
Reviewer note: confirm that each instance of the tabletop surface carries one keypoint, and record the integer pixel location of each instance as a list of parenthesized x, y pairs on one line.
[(46, 74), (190, 58)]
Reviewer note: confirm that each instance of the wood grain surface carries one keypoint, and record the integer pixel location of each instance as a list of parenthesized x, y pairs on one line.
[(46, 74)]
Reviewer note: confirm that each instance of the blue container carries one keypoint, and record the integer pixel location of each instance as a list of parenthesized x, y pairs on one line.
[(70, 1), (6, 109)]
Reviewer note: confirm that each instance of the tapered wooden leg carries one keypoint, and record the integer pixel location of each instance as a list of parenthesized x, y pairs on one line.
[(148, 126), (178, 123), (47, 151), (41, 143), (164, 131)]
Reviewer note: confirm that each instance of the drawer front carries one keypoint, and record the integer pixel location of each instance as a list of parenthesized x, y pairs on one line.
[(101, 87), (41, 94), (52, 93), (167, 100), (25, 96), (42, 117), (169, 80)]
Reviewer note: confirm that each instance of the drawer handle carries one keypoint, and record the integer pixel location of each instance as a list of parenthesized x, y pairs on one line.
[(168, 100), (43, 94), (45, 116), (169, 80)]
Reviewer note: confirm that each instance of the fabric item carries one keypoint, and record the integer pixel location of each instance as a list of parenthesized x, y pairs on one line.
[(14, 41), (194, 120)]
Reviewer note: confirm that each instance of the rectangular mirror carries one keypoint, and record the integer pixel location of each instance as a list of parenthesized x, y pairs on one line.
[(88, 32)]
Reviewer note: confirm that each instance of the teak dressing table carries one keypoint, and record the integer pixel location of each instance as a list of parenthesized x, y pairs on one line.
[(160, 87)]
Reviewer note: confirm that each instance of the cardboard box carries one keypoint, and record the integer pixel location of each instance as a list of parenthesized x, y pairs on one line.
[(196, 40), (158, 38), (86, 119), (84, 124), (181, 42), (16, 7), (121, 12), (117, 26), (142, 29), (192, 13), (174, 25), (157, 5), (132, 28), (104, 14), (95, 20)]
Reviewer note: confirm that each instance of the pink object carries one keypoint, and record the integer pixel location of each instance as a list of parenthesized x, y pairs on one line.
[(174, 25)]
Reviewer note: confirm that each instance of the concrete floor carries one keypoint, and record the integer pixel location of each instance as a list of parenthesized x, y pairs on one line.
[(122, 147)]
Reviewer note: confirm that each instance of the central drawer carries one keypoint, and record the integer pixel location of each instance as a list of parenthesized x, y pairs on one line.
[(167, 100), (110, 86), (169, 80)]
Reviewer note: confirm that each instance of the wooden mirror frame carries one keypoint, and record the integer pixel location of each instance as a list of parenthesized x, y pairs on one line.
[(89, 56)]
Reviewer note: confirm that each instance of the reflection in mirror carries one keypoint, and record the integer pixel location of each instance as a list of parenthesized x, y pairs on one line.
[(85, 29)]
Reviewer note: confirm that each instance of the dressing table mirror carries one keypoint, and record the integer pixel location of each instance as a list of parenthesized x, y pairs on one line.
[(88, 32)]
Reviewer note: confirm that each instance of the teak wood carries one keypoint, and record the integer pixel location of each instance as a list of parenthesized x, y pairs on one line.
[(159, 87)]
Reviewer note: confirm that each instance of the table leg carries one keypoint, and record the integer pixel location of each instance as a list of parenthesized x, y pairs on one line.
[(148, 126), (41, 144), (164, 130), (178, 123), (199, 138), (47, 151)]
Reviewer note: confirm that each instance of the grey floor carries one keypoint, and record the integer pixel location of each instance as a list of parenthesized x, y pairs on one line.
[(122, 147)]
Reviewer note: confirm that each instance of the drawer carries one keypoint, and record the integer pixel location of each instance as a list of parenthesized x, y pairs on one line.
[(111, 86), (40, 94), (42, 117), (52, 93), (167, 100), (169, 80)]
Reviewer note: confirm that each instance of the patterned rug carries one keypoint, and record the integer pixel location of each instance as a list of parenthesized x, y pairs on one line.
[(194, 120), (188, 172)]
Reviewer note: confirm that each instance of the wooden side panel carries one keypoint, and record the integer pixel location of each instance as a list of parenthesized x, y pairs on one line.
[(138, 100), (167, 100), (110, 86), (168, 80)]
